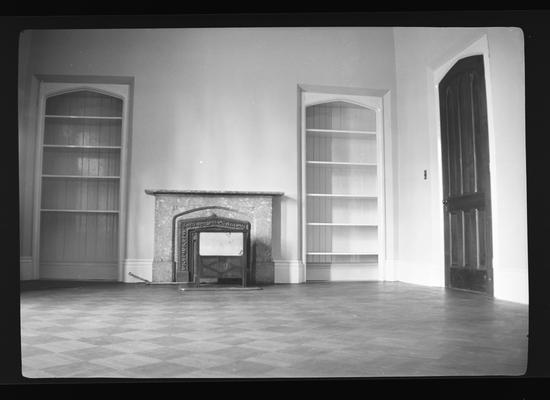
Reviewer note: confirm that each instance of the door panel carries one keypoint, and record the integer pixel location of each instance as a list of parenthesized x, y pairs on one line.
[(456, 236), (466, 183)]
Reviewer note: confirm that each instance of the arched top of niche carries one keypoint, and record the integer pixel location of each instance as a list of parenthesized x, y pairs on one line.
[(340, 115), (84, 103)]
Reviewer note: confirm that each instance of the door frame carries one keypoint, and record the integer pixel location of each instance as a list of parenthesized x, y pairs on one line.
[(48, 88), (437, 71)]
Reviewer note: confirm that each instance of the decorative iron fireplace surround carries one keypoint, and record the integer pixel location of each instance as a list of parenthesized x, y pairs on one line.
[(176, 211), (189, 264)]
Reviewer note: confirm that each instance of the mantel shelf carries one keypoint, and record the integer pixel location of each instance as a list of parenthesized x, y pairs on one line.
[(71, 146), (83, 117), (79, 177), (156, 192)]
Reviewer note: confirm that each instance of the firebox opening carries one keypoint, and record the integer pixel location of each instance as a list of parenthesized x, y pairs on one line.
[(214, 250)]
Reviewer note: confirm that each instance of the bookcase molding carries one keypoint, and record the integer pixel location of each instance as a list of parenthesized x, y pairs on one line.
[(343, 187), (80, 181)]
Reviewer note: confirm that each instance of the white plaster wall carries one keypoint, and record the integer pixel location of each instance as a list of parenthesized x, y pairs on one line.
[(419, 52), (212, 108)]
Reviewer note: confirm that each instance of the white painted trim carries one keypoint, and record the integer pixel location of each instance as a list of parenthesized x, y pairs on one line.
[(303, 197), (38, 184), (312, 98), (420, 273), (50, 88), (390, 223), (342, 90), (25, 269), (343, 272), (289, 271), (390, 269), (381, 191), (435, 173), (80, 271), (140, 267), (436, 71), (124, 179), (383, 139), (511, 284), (507, 280), (318, 273)]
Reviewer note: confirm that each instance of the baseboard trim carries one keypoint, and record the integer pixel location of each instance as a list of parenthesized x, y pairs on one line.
[(343, 272), (511, 284), (389, 270), (142, 267), (289, 271), (26, 272), (79, 271), (419, 273)]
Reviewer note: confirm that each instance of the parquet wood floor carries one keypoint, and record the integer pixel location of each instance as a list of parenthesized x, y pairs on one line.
[(351, 329)]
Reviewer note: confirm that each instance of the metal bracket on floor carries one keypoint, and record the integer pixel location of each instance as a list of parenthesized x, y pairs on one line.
[(139, 277), (148, 282)]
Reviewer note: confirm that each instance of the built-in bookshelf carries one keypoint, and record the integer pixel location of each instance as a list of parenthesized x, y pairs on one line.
[(80, 184), (342, 177)]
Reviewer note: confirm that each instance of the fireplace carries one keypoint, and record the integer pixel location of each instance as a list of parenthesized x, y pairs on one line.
[(213, 249), (178, 212)]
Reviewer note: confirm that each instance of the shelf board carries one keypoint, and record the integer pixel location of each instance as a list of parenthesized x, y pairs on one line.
[(79, 177), (83, 117), (331, 253), (341, 132), (341, 164), (80, 211), (70, 146), (339, 224), (358, 196)]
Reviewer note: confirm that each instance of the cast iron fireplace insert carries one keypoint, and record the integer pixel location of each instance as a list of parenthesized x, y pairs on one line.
[(213, 249)]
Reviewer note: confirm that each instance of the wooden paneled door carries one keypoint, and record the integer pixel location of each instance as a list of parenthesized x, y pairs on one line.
[(466, 183)]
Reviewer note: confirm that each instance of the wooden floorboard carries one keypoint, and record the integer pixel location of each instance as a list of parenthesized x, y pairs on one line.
[(353, 329)]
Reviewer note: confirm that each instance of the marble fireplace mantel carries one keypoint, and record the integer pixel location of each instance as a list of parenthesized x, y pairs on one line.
[(210, 192), (171, 206)]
